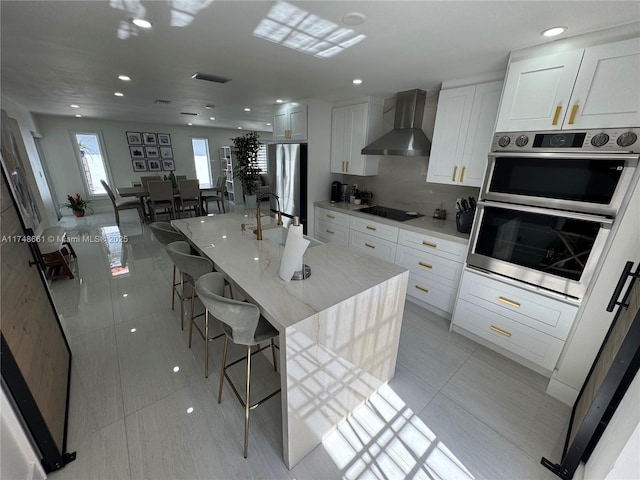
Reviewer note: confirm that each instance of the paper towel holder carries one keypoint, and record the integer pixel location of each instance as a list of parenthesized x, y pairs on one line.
[(306, 269)]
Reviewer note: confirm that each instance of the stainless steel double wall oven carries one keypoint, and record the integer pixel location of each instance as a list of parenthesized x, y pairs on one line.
[(548, 202)]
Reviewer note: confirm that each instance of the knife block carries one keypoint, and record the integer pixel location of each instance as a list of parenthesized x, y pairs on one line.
[(464, 220)]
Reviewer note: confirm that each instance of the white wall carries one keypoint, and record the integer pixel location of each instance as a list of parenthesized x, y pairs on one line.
[(60, 157)]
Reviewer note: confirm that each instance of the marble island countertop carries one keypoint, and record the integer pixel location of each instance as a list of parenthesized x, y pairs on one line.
[(445, 229)]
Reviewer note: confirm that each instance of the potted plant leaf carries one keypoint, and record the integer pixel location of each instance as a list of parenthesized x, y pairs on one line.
[(246, 168)]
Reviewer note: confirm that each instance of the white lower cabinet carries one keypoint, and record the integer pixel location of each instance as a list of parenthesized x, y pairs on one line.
[(331, 232), (372, 245), (529, 324)]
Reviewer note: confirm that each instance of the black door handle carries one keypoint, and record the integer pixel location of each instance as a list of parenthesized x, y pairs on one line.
[(626, 271)]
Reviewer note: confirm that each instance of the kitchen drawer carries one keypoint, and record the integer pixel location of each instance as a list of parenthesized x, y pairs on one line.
[(431, 291), (330, 232), (373, 246), (429, 265), (535, 310), (333, 217), (436, 246), (376, 229), (529, 343)]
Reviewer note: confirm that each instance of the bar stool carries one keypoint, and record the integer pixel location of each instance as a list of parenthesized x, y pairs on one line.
[(243, 324), (166, 234)]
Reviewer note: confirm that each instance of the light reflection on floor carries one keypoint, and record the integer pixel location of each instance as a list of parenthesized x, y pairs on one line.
[(384, 439)]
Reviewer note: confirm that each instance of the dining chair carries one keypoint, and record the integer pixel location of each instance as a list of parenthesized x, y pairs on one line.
[(122, 204), (165, 233), (189, 196), (161, 198), (242, 324), (144, 180), (216, 195)]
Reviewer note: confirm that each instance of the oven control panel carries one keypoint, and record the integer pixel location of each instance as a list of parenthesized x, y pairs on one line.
[(594, 140)]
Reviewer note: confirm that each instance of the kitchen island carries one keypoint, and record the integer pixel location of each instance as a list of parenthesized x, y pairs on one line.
[(339, 329)]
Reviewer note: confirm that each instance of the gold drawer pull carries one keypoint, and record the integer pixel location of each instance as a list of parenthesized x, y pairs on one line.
[(331, 232), (347, 166), (462, 174), (455, 170), (371, 228), (500, 331), (369, 245), (509, 302), (426, 265), (574, 111), (427, 244), (425, 290), (330, 216), (556, 116)]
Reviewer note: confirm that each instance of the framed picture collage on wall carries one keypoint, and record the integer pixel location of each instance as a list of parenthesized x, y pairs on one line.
[(150, 152)]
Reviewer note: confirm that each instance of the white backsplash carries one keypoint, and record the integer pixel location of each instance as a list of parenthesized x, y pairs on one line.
[(401, 183)]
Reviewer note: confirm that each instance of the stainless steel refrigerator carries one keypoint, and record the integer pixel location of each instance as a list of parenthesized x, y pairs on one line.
[(288, 179)]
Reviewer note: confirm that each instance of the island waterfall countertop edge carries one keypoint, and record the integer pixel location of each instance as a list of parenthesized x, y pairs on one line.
[(445, 229), (337, 272)]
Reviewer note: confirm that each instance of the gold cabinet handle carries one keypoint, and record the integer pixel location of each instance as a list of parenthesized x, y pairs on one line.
[(369, 245), (427, 244), (556, 115), (455, 170), (574, 111), (425, 290), (462, 174), (426, 265), (500, 331), (509, 302), (371, 228), (330, 216), (347, 166), (331, 232), (343, 166)]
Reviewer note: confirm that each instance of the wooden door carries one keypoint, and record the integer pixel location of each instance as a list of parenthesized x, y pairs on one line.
[(36, 359)]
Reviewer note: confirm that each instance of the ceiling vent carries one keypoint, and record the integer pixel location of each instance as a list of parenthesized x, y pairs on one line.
[(210, 78), (189, 113), (163, 102)]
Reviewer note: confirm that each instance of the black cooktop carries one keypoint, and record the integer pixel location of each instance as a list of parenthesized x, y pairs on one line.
[(391, 213)]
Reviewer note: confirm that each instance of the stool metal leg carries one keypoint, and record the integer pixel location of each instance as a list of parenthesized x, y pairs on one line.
[(224, 366), (206, 344), (193, 299), (247, 404), (173, 289)]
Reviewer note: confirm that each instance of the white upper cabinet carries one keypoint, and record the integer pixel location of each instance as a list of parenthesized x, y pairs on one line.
[(352, 128), (290, 123), (593, 88), (462, 134), (607, 90)]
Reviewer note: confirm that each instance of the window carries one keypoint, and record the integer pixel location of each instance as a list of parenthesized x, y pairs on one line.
[(92, 162), (263, 164), (201, 159)]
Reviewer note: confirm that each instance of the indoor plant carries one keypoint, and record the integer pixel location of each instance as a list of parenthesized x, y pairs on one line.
[(246, 168), (77, 204)]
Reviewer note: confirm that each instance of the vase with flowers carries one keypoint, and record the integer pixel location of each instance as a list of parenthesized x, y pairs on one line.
[(77, 204)]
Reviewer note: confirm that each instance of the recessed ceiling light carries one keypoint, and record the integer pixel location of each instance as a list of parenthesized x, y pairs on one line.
[(268, 124), (239, 128), (554, 31), (124, 78), (247, 109), (209, 106), (78, 116), (141, 22), (119, 94), (212, 118), (357, 81), (73, 105), (279, 100), (353, 19), (189, 123)]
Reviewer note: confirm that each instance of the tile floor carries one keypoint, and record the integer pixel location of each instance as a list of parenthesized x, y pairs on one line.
[(140, 406)]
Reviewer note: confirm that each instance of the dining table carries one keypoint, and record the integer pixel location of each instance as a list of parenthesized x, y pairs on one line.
[(339, 328), (142, 193)]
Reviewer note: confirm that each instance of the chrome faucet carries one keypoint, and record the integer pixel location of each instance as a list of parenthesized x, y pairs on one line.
[(258, 230)]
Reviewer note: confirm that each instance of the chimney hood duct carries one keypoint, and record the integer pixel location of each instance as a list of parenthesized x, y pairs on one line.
[(407, 137)]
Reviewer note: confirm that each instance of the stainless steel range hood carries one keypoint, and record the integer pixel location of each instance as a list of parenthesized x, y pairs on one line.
[(407, 137)]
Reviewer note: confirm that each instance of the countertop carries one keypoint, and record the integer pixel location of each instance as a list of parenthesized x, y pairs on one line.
[(445, 229)]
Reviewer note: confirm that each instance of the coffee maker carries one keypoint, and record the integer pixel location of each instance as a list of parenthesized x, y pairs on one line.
[(336, 192)]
